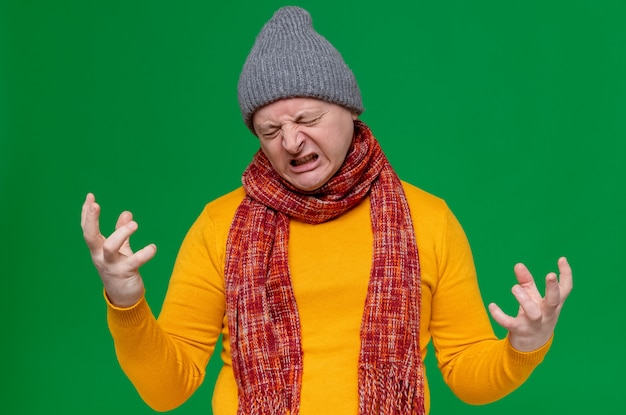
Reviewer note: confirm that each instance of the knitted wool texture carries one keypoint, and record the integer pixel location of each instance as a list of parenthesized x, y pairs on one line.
[(263, 321), (290, 59)]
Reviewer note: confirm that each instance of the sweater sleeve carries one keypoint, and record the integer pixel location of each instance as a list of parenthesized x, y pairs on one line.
[(166, 358), (478, 367)]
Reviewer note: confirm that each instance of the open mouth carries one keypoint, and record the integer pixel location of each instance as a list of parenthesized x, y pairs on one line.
[(303, 160)]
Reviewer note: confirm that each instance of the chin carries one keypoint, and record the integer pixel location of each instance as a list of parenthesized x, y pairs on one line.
[(307, 186)]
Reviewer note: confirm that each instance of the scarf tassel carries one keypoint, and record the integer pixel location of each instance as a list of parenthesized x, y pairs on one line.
[(264, 404), (389, 391)]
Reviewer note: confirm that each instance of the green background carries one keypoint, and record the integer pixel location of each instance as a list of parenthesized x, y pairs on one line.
[(513, 111)]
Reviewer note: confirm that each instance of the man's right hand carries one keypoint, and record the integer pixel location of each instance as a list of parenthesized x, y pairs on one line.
[(113, 257)]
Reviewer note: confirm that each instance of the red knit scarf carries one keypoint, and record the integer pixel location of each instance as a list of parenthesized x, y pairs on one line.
[(263, 322)]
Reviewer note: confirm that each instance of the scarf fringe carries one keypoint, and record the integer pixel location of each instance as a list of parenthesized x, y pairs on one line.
[(389, 391), (263, 404)]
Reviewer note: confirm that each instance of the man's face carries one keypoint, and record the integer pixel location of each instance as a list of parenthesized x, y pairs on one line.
[(305, 139)]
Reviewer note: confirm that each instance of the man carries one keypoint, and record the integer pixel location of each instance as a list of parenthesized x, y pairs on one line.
[(325, 273)]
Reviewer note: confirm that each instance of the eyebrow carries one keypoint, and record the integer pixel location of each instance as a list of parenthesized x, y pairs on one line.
[(308, 114), (268, 126), (305, 113)]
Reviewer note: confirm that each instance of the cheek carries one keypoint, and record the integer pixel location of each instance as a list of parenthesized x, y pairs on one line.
[(272, 152), (265, 151), (345, 142)]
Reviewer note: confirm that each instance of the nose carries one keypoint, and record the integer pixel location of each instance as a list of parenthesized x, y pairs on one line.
[(293, 140)]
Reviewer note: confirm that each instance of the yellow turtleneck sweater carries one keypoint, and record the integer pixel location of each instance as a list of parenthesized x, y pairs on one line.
[(330, 265)]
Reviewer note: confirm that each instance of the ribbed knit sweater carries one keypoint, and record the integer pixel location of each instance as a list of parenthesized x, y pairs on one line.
[(166, 358)]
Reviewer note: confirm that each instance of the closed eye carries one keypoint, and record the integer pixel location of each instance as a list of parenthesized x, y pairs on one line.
[(309, 121), (270, 134)]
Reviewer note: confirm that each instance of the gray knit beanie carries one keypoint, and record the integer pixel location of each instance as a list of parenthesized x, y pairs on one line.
[(290, 59)]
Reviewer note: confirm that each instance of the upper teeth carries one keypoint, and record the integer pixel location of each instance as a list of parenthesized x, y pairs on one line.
[(303, 160)]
